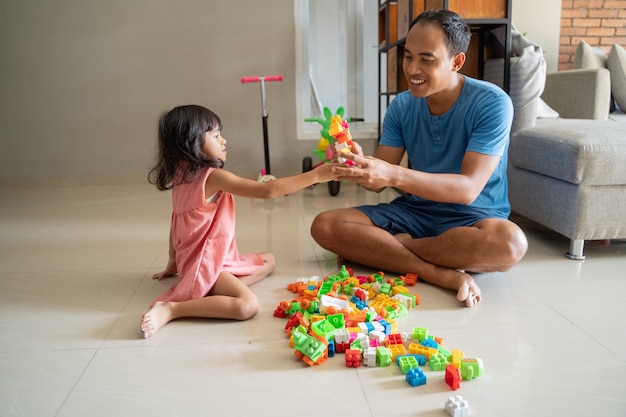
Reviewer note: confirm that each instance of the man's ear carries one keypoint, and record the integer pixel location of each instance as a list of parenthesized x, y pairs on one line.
[(458, 61)]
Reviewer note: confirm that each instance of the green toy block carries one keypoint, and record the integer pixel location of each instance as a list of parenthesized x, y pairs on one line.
[(308, 345), (356, 345), (444, 351), (344, 273), (383, 356), (406, 363), (438, 362), (324, 329), (392, 312), (402, 310), (385, 289), (378, 277), (347, 289), (337, 320), (471, 368), (325, 288), (419, 333)]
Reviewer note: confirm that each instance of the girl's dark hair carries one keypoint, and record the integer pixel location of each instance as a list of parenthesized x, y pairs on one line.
[(181, 137), (457, 31)]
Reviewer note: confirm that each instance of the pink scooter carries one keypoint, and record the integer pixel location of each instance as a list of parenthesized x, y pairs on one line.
[(266, 173)]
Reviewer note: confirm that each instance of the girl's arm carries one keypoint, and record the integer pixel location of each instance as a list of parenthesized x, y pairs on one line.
[(222, 180), (170, 269)]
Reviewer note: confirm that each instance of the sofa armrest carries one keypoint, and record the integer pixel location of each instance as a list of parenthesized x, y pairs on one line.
[(579, 93)]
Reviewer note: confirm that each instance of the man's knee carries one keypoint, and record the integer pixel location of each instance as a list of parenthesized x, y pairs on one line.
[(514, 247), (322, 226)]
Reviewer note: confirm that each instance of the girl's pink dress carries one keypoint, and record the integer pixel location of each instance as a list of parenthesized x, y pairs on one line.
[(203, 235)]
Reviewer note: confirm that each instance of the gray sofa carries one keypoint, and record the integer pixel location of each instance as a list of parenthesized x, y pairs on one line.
[(569, 173)]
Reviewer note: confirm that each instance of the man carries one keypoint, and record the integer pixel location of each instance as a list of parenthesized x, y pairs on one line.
[(455, 130)]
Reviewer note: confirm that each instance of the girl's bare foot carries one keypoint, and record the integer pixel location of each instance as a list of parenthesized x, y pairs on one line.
[(158, 316)]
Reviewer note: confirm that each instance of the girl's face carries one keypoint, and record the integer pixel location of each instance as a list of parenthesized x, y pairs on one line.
[(215, 145)]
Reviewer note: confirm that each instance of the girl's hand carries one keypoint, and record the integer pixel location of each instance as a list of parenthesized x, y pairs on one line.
[(170, 270), (325, 172)]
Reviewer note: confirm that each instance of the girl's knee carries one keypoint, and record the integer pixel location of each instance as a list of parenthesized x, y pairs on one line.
[(248, 308)]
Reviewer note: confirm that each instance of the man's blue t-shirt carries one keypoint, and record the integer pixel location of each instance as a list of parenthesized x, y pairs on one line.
[(479, 121)]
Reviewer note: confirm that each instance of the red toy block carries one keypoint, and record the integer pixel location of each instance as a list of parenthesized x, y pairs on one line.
[(353, 358), (453, 377), (394, 339), (410, 279), (280, 313), (293, 321), (341, 347)]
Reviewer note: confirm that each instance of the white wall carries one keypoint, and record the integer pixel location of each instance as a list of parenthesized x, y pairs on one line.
[(83, 82), (541, 20)]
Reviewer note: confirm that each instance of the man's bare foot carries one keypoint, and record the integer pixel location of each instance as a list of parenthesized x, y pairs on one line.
[(157, 317), (459, 281), (468, 292), (453, 279)]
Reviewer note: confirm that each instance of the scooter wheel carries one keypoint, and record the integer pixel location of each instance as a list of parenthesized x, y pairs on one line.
[(307, 165), (333, 187)]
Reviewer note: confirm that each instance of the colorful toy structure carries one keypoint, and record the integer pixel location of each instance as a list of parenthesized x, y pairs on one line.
[(335, 131), (340, 131), (357, 316)]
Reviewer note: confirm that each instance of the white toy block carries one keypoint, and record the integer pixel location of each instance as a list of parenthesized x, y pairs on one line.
[(369, 356), (457, 407), (342, 336)]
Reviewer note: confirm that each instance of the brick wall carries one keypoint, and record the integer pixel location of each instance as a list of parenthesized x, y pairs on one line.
[(600, 23)]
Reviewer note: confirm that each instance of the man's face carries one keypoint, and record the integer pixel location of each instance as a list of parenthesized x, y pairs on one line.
[(427, 65)]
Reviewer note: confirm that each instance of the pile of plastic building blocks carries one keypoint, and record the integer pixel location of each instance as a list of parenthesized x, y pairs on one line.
[(356, 316)]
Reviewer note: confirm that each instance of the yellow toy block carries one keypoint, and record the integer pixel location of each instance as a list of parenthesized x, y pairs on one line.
[(396, 350), (422, 350), (399, 289), (457, 357)]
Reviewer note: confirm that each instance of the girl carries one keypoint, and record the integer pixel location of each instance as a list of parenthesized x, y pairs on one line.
[(213, 276)]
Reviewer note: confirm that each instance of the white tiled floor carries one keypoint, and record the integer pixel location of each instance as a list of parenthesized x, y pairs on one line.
[(75, 278)]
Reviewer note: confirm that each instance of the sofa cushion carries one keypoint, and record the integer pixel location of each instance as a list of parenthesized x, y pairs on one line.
[(546, 112), (589, 152), (589, 57), (616, 63)]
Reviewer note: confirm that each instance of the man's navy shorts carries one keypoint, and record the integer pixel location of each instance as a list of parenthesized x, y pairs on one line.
[(420, 218)]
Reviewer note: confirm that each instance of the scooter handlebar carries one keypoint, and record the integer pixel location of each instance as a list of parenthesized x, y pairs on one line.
[(258, 79)]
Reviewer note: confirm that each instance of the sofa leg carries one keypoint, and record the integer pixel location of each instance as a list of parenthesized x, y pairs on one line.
[(576, 250)]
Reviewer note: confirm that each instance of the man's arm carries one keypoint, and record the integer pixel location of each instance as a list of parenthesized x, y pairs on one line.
[(376, 173)]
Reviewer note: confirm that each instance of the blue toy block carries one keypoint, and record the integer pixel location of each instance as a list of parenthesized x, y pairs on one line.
[(428, 342), (387, 328), (415, 377), (331, 348)]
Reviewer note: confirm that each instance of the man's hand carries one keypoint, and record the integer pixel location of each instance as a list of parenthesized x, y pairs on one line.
[(369, 172)]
